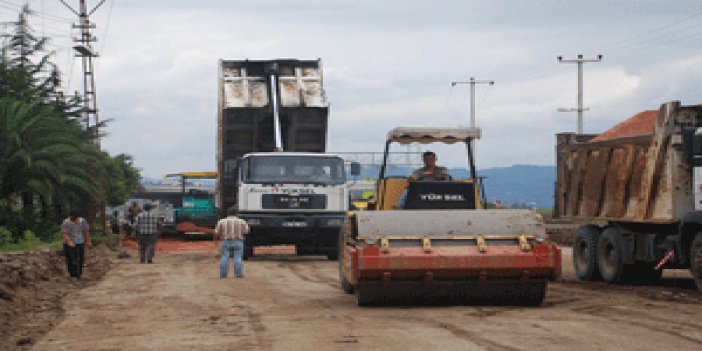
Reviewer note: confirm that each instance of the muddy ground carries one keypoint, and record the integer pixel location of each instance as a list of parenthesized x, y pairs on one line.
[(291, 303), (33, 288)]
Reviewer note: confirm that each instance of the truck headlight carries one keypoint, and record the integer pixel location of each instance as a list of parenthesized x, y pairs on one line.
[(253, 221), (540, 238), (335, 222)]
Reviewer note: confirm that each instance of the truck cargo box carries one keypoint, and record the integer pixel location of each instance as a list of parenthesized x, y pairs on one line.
[(629, 178), (245, 113)]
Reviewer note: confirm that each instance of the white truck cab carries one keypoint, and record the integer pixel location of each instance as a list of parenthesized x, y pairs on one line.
[(293, 198)]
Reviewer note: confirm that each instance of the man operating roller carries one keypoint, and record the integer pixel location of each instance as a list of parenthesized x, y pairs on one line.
[(430, 172)]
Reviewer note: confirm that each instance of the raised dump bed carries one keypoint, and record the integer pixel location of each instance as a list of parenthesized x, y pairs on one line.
[(639, 178)]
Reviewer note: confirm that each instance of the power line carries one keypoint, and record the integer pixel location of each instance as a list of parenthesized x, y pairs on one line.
[(48, 16), (652, 31), (107, 26)]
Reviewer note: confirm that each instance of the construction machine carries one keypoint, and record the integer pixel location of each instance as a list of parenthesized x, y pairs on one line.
[(443, 243)]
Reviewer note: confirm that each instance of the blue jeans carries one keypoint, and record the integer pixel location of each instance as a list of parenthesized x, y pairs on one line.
[(235, 249)]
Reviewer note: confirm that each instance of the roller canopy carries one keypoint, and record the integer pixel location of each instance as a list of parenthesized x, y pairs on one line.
[(433, 135), (448, 223)]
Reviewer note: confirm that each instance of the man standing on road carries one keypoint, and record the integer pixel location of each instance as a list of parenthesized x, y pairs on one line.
[(76, 233), (147, 227), (232, 231)]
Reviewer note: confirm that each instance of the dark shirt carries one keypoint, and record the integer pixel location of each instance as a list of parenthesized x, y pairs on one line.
[(435, 173)]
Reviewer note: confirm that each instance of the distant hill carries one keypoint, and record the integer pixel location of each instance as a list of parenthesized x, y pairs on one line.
[(521, 183), (515, 184)]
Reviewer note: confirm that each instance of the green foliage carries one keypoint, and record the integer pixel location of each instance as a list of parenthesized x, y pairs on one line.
[(48, 161), (29, 236), (105, 238), (5, 236)]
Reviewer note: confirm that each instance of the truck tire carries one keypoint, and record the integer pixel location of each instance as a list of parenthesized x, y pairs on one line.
[(610, 250), (585, 253), (696, 260), (248, 250)]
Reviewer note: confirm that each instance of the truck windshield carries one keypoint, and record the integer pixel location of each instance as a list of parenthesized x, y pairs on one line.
[(294, 169)]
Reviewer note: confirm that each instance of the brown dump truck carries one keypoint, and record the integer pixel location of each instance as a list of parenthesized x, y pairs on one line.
[(640, 185)]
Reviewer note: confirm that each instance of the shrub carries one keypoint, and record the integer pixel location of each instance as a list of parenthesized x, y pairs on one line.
[(29, 236), (5, 236)]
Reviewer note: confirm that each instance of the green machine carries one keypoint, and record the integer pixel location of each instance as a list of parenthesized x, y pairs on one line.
[(197, 214)]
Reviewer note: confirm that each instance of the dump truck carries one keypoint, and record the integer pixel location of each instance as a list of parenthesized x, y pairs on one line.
[(638, 190), (443, 243), (272, 133)]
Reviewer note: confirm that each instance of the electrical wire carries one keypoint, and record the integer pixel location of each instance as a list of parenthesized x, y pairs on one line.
[(656, 30), (49, 17), (107, 26)]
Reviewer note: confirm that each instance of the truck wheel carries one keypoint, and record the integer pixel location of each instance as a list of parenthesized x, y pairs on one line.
[(696, 260), (585, 252), (609, 256), (248, 250)]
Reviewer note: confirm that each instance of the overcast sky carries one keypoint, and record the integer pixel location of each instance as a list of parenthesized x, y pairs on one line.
[(386, 64)]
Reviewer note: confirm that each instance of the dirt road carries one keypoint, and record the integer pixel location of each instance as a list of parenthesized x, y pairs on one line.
[(290, 303)]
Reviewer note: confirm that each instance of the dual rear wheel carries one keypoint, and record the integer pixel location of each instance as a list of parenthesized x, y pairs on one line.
[(599, 255)]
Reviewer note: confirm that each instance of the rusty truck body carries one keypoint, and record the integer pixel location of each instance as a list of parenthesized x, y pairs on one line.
[(641, 194)]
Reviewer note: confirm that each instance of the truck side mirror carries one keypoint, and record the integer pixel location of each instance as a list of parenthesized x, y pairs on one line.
[(355, 169)]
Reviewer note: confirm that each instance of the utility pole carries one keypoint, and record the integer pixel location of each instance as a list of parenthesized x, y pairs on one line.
[(85, 51), (580, 60), (472, 83)]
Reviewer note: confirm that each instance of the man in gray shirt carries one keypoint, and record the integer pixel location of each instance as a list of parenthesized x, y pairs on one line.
[(76, 234)]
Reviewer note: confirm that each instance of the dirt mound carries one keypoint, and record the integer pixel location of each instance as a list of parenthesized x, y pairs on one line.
[(640, 124), (166, 244), (32, 285), (192, 227)]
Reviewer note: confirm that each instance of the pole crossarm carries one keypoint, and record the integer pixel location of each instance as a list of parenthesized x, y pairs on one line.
[(472, 82)]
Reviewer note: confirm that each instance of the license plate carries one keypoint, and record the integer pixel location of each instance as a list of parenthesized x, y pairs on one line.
[(294, 224), (295, 202)]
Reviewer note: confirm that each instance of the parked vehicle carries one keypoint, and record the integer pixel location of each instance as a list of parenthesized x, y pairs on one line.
[(642, 195)]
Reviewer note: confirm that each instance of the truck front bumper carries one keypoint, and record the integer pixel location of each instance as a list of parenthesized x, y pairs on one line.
[(294, 222)]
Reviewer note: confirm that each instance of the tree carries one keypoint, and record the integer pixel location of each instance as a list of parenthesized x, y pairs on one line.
[(45, 151)]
